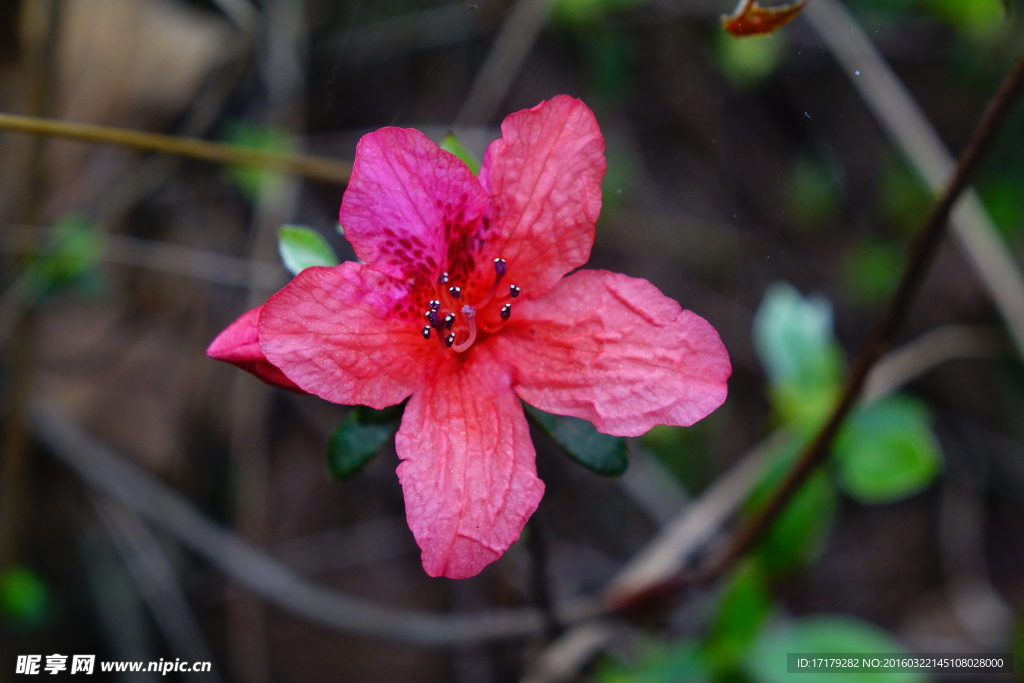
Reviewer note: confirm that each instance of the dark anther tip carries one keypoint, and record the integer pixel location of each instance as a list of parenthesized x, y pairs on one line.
[(500, 267), (434, 304), (433, 319), (506, 311), (455, 291), (449, 320), (450, 339), (443, 280), (426, 332), (514, 290)]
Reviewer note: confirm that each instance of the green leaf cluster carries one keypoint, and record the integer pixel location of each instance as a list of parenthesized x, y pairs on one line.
[(884, 451)]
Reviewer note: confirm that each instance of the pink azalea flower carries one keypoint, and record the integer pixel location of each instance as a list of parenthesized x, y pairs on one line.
[(462, 303)]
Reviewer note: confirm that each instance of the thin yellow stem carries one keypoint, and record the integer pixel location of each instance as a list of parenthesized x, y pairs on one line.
[(316, 168)]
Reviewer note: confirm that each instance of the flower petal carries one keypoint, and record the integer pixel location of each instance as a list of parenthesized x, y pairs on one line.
[(544, 176), (239, 344), (338, 333), (407, 202), (616, 351), (468, 474)]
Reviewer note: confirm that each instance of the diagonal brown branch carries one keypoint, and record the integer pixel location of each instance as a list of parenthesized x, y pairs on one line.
[(922, 254), (316, 168)]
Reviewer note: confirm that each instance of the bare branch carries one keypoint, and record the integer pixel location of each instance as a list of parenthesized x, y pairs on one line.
[(107, 472)]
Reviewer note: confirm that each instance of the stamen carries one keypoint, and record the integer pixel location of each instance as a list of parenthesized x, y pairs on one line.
[(500, 267), (514, 291), (426, 332), (449, 320), (443, 280), (470, 314), (432, 318), (449, 340), (455, 291), (506, 311), (434, 305)]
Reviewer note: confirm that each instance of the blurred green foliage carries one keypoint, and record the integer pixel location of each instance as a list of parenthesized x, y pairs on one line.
[(301, 247), (24, 599), (823, 634), (67, 259), (588, 12), (903, 197), (253, 181), (748, 61), (814, 193), (871, 271), (1003, 196)]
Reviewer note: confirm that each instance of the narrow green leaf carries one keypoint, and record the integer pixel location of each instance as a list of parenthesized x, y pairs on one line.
[(680, 662), (358, 438), (767, 660), (302, 247), (598, 452), (451, 144), (887, 451)]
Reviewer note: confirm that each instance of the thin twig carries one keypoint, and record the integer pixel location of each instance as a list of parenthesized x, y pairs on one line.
[(316, 168), (922, 253), (111, 474), (158, 585)]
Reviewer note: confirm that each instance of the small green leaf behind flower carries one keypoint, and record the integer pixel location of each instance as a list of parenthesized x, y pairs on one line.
[(301, 247), (451, 144), (585, 445), (886, 451), (359, 437)]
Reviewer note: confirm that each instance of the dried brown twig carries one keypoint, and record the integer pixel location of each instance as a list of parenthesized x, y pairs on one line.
[(316, 168)]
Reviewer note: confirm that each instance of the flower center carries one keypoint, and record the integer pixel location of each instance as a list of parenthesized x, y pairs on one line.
[(455, 322)]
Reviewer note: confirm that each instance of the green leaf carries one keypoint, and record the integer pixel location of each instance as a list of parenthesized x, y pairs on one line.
[(794, 342), (452, 144), (886, 451), (358, 438), (742, 609), (598, 452), (23, 597), (871, 271), (302, 247), (767, 662), (801, 528)]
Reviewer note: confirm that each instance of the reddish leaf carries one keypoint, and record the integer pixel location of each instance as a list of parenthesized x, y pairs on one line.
[(750, 19)]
